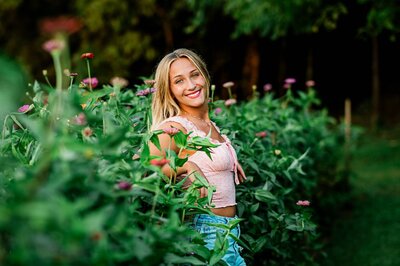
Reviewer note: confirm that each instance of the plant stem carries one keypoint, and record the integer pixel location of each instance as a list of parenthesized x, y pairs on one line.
[(90, 77)]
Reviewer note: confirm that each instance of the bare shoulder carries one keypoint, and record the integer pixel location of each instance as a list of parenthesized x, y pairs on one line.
[(172, 124)]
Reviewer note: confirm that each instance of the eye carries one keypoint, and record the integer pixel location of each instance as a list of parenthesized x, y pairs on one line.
[(195, 74), (178, 81)]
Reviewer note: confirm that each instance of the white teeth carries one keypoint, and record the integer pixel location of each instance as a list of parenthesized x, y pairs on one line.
[(194, 94)]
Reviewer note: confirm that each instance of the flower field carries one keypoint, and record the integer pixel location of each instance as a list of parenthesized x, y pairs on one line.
[(79, 187)]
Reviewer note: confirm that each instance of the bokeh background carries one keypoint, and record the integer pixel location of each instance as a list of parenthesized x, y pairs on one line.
[(349, 48)]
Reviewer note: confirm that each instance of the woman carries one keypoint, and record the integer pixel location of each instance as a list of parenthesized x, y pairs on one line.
[(181, 101)]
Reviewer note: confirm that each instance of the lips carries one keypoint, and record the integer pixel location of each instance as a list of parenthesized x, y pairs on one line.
[(193, 94)]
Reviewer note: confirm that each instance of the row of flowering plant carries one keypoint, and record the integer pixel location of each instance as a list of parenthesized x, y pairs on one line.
[(80, 186)]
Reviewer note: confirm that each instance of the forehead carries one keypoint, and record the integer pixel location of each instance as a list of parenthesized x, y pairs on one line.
[(181, 66)]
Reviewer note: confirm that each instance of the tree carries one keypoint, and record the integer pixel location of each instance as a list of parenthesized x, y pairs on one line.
[(382, 18)]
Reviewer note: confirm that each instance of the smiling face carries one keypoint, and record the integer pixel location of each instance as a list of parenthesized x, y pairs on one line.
[(187, 84)]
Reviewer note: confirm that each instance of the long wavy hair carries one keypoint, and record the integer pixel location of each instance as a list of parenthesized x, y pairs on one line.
[(164, 104)]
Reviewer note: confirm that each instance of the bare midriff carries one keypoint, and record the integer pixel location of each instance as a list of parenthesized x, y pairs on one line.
[(229, 211)]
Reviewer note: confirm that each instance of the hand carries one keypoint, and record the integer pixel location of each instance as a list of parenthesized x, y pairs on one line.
[(192, 167), (241, 175)]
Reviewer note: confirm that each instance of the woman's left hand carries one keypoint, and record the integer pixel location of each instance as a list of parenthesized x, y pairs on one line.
[(241, 175)]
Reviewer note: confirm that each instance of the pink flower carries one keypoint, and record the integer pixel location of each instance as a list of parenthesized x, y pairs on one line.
[(94, 81), (87, 132), (145, 92), (267, 87), (303, 203), (80, 119), (123, 185), (149, 82), (310, 83), (24, 108), (53, 45), (87, 56), (159, 162), (261, 134), (217, 111), (171, 131), (290, 81), (230, 102)]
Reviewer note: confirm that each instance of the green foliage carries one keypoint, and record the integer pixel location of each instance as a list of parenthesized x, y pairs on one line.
[(80, 186)]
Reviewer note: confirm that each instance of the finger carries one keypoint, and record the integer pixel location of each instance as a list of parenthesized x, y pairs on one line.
[(241, 172)]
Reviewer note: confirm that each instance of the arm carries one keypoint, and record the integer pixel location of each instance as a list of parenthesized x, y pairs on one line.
[(166, 142)]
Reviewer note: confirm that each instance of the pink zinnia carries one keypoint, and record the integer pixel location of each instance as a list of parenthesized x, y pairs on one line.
[(80, 119), (145, 92), (53, 45), (24, 108), (230, 102), (87, 132), (290, 81), (119, 82), (310, 83), (261, 134), (123, 185), (171, 131), (303, 203), (94, 82), (217, 111), (267, 87), (149, 82)]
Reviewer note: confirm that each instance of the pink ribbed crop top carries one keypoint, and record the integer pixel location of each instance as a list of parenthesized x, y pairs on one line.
[(221, 171)]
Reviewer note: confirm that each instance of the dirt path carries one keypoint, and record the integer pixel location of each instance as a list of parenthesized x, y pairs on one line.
[(369, 233)]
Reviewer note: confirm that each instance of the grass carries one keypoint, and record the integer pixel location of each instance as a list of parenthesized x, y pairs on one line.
[(369, 232)]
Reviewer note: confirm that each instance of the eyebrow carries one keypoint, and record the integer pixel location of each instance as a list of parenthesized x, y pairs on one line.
[(180, 75)]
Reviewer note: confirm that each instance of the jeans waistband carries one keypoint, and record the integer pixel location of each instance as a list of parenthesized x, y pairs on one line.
[(213, 218)]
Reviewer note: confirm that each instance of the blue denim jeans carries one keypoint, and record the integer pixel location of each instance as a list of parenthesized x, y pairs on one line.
[(200, 224)]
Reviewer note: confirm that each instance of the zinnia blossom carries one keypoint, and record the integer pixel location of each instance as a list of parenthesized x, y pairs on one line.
[(145, 92), (149, 82), (310, 83), (267, 87), (303, 203), (24, 108), (230, 102), (123, 185), (87, 56), (87, 132), (290, 81), (94, 82), (80, 119), (53, 45), (217, 111)]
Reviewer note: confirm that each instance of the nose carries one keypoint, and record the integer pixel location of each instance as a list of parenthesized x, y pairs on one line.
[(192, 85)]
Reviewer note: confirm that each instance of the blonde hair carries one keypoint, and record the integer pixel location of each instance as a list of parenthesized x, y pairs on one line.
[(163, 104)]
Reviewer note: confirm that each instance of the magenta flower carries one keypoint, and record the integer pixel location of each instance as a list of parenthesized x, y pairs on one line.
[(303, 203), (93, 81), (267, 87), (261, 134), (171, 131), (123, 185), (24, 108), (217, 111), (53, 45), (145, 92), (230, 102), (310, 83), (290, 81), (80, 119), (149, 82)]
